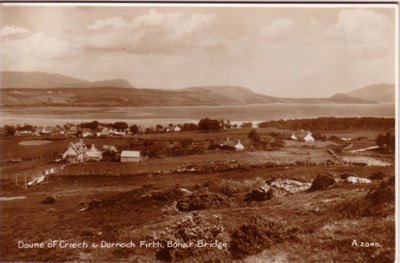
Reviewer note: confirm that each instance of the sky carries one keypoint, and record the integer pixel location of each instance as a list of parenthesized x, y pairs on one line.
[(284, 51)]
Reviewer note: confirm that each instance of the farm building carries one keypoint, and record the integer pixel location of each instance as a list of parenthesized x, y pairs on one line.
[(110, 148), (309, 138), (229, 145), (75, 152), (93, 155), (302, 136), (239, 146), (130, 157)]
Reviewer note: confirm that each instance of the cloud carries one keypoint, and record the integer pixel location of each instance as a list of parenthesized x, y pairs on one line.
[(153, 32), (11, 30), (115, 23), (34, 49), (361, 26), (278, 29)]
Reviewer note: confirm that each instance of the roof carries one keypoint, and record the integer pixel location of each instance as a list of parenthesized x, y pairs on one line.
[(132, 154), (93, 154)]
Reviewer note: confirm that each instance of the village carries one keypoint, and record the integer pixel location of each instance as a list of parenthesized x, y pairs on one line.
[(95, 182)]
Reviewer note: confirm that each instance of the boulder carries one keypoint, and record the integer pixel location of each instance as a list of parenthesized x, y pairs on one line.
[(322, 182), (355, 180)]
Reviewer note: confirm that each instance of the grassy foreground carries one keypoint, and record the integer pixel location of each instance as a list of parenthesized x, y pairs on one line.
[(318, 226)]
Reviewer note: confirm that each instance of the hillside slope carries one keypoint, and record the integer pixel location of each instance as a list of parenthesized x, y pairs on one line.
[(381, 93)]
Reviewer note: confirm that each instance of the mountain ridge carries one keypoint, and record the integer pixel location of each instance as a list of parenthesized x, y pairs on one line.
[(48, 89)]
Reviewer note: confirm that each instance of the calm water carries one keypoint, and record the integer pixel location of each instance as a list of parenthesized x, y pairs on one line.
[(147, 116)]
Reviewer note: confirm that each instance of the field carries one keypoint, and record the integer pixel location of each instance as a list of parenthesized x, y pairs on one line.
[(211, 197)]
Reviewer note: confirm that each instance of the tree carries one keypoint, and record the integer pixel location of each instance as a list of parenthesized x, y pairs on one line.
[(253, 135), (134, 129), (10, 130), (207, 124), (159, 128), (120, 126), (189, 127), (185, 143), (388, 140), (278, 143), (246, 124), (90, 125)]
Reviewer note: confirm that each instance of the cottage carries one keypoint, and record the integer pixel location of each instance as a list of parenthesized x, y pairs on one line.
[(115, 132), (93, 155), (46, 130), (309, 138), (75, 152), (130, 157), (239, 146)]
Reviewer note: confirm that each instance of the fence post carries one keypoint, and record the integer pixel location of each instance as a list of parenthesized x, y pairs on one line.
[(25, 185), (16, 179)]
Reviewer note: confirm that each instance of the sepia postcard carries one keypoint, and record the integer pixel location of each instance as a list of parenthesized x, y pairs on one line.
[(198, 132)]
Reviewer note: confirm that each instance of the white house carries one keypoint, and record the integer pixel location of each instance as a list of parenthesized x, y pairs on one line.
[(93, 155), (293, 137), (75, 152), (239, 146), (309, 138), (130, 157)]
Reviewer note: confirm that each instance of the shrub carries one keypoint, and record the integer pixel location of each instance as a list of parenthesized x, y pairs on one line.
[(322, 182), (378, 175), (258, 234), (379, 202), (191, 229)]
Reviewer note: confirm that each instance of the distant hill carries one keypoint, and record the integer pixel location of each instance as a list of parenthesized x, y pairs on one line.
[(107, 96), (44, 89), (10, 79), (344, 98), (41, 89), (381, 93), (39, 80)]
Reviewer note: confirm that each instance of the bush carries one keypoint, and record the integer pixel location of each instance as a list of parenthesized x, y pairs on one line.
[(379, 202), (384, 193), (322, 182), (378, 175), (191, 229), (259, 234), (202, 200)]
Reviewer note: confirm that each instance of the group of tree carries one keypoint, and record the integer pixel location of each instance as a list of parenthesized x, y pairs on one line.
[(207, 124), (332, 123), (273, 142), (387, 140), (120, 126)]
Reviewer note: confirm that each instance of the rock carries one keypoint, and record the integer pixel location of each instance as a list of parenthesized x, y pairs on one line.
[(346, 175), (322, 182), (354, 180), (48, 200), (260, 194), (186, 191)]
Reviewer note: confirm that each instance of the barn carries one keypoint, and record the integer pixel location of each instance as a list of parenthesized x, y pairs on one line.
[(130, 157)]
